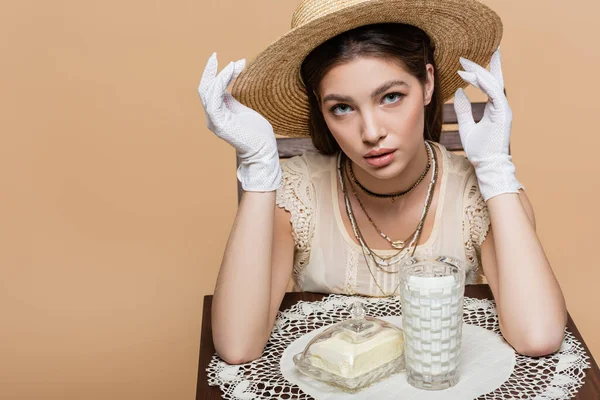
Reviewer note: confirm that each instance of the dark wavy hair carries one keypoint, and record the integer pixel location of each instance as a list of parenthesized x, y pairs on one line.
[(405, 43)]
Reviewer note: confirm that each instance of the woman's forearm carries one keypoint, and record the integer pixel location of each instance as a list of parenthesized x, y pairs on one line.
[(530, 303), (240, 308)]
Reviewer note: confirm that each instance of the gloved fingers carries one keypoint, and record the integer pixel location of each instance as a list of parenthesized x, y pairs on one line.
[(230, 102), (233, 104), (478, 70), (464, 113), (497, 100), (216, 93), (469, 77), (496, 68), (208, 77), (238, 67), (484, 81)]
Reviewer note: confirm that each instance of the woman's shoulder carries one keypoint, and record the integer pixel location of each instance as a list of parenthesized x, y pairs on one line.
[(302, 174), (457, 163), (310, 162)]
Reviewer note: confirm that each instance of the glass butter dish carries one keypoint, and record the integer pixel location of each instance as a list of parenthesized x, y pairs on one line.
[(354, 353)]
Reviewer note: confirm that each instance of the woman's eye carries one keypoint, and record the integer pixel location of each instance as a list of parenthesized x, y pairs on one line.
[(341, 109), (392, 97)]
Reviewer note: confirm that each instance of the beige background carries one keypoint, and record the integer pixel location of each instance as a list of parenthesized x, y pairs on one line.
[(116, 200)]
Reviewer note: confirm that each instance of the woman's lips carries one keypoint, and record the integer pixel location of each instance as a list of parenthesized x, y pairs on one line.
[(381, 160)]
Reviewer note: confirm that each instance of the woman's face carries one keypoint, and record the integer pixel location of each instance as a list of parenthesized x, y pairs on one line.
[(375, 110)]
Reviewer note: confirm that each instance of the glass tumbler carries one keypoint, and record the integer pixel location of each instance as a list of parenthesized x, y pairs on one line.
[(432, 291)]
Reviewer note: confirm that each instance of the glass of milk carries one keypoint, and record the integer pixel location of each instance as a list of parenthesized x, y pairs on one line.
[(432, 290)]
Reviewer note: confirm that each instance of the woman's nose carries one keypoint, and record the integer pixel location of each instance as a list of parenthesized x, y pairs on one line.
[(372, 131)]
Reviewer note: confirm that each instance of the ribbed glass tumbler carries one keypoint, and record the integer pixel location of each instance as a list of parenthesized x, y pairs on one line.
[(432, 292)]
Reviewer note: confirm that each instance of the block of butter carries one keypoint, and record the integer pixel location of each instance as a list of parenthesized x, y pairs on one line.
[(354, 353), (339, 355)]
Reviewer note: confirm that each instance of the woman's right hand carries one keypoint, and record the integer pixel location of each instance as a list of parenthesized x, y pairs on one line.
[(243, 128)]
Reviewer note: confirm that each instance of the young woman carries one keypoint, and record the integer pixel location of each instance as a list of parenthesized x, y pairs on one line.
[(367, 81)]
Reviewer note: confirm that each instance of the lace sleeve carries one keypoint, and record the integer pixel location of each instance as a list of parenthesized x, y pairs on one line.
[(476, 224), (296, 196)]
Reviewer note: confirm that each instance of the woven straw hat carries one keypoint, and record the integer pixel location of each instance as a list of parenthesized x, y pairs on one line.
[(271, 83)]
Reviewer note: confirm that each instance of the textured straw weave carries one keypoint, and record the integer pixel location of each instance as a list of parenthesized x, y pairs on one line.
[(271, 85)]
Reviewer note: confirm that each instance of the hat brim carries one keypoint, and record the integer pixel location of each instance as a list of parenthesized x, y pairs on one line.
[(271, 86)]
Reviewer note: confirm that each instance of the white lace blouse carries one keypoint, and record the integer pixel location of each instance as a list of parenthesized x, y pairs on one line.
[(327, 260)]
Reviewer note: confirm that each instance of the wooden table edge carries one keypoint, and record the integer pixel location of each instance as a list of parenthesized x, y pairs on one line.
[(205, 354)]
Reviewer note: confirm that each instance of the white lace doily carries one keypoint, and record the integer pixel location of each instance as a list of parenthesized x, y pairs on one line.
[(554, 377)]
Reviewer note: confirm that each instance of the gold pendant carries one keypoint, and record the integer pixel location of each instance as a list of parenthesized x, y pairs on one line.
[(398, 244)]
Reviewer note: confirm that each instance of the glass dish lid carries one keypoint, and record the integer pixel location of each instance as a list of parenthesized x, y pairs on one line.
[(354, 353)]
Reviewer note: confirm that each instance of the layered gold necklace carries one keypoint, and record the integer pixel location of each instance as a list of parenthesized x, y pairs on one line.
[(388, 264), (397, 244)]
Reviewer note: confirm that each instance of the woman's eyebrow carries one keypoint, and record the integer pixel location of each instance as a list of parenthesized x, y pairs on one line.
[(385, 86), (337, 97)]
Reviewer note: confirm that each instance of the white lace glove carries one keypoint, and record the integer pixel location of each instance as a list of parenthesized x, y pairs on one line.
[(486, 142), (243, 128)]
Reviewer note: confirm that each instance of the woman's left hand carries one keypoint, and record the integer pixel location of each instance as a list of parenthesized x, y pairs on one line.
[(486, 142)]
